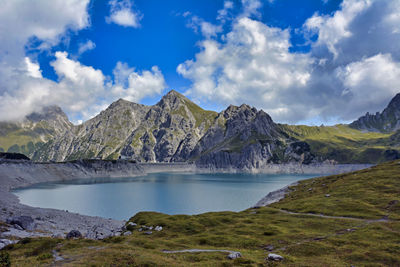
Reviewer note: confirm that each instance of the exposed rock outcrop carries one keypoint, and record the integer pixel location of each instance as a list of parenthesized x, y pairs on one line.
[(387, 121), (247, 138), (165, 132)]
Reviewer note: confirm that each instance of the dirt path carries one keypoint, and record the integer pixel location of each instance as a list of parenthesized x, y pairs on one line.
[(385, 219)]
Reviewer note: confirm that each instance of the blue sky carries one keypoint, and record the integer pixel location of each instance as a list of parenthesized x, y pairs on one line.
[(314, 61)]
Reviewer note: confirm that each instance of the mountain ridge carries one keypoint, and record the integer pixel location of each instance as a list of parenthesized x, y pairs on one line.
[(387, 121), (177, 130)]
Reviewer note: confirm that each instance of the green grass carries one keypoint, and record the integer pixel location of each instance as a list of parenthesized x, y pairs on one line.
[(345, 144), (201, 116), (371, 193), (24, 139), (303, 240)]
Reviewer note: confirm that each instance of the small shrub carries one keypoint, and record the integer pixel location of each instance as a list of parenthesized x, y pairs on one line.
[(5, 259), (44, 256), (25, 240)]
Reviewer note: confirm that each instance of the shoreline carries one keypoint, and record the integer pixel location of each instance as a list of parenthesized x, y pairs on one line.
[(52, 222)]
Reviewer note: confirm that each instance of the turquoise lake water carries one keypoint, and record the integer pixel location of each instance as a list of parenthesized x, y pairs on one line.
[(170, 193)]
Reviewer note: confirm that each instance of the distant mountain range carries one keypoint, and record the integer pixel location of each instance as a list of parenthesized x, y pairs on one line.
[(177, 130)]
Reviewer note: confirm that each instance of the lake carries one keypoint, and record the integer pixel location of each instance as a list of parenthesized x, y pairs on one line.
[(170, 193)]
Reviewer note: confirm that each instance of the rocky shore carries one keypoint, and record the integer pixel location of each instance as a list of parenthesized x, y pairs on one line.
[(19, 221)]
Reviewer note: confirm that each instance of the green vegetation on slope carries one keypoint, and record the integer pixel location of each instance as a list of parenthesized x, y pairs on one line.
[(371, 194), (24, 138), (345, 144), (302, 239), (201, 115)]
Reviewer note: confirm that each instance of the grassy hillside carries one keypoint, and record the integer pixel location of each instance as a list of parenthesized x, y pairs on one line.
[(303, 239), (347, 145), (23, 138)]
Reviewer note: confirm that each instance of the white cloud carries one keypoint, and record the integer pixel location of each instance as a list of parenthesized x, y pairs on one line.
[(87, 46), (207, 29), (370, 81), (33, 69), (359, 42), (254, 66), (332, 29), (122, 13), (223, 14), (134, 86), (353, 66), (79, 86), (45, 20), (22, 84), (251, 8), (81, 91)]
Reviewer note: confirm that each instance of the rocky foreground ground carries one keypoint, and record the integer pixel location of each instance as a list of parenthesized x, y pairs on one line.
[(19, 221)]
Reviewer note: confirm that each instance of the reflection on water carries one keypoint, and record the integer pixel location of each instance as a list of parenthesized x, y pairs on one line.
[(171, 193)]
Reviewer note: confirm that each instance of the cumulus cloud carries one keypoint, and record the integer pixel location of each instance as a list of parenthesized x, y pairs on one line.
[(251, 7), (134, 86), (223, 14), (207, 29), (22, 83), (87, 46), (81, 90), (332, 29), (352, 66), (360, 36), (370, 81), (45, 20), (122, 13), (33, 69), (254, 65)]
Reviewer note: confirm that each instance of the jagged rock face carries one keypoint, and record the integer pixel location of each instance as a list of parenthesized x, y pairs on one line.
[(387, 121), (245, 138), (100, 136), (164, 132), (169, 132)]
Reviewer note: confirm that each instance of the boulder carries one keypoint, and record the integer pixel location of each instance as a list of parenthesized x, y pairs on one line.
[(16, 226), (74, 234), (25, 222), (148, 233), (158, 228), (274, 257), (269, 247), (234, 255), (127, 233)]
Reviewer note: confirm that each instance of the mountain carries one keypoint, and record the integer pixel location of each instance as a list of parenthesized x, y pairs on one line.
[(387, 121), (177, 130), (164, 132), (245, 138), (31, 133)]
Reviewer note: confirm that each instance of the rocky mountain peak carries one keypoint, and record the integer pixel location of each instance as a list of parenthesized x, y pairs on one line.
[(394, 103), (53, 118), (46, 114), (387, 121), (243, 112), (172, 100)]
